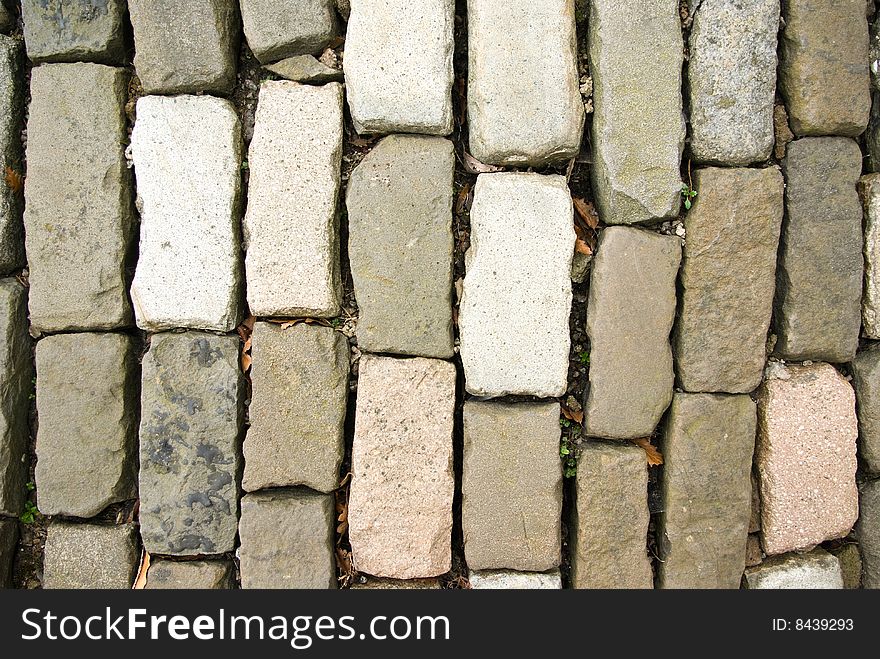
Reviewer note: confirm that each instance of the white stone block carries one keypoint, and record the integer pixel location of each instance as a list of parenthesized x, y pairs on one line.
[(187, 155), (290, 228), (517, 292), (504, 580)]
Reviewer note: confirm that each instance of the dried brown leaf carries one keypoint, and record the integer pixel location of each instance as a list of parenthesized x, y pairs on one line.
[(582, 247), (462, 202), (654, 456), (141, 581), (14, 180), (587, 212), (474, 166)]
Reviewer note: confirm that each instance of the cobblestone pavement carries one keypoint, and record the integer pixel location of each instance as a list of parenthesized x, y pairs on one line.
[(570, 293)]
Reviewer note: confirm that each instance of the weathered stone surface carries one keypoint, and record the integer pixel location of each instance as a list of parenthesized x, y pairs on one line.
[(504, 580), (638, 127), (16, 373), (8, 547), (78, 215), (819, 279), (185, 47), (187, 154), (866, 381), (87, 389), (90, 556), (400, 246), (396, 584), (344, 8), (275, 30), (299, 382), (823, 73), (755, 517), (868, 533), (291, 224), (732, 80), (815, 570), (74, 30), (199, 575), (630, 312), (191, 421), (287, 540), (6, 18), (869, 191), (806, 458), (727, 279), (706, 491), (11, 115), (850, 565), (400, 506), (516, 299), (306, 69), (609, 532), (524, 101), (398, 66), (754, 555), (512, 486)]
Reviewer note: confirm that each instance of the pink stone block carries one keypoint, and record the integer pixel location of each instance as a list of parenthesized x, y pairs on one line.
[(806, 458)]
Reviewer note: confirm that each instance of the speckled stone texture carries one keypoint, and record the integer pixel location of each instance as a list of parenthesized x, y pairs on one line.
[(90, 556), (505, 580), (191, 421), (299, 382), (524, 104), (277, 29), (868, 533), (866, 381), (400, 246), (511, 486), (516, 299), (706, 491), (820, 271), (186, 575), (732, 80), (373, 583), (74, 30), (806, 458), (287, 540), (869, 191), (398, 66), (823, 72), (813, 571), (609, 528), (400, 505), (728, 279), (630, 313)]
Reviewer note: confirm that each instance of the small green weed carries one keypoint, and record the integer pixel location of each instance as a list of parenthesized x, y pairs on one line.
[(30, 514)]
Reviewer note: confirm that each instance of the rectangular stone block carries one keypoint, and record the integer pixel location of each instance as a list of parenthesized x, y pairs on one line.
[(190, 575), (74, 30), (287, 540), (504, 580), (398, 66), (395, 584), (87, 389), (732, 80), (706, 491), (866, 381), (868, 533), (187, 155), (806, 458), (516, 300), (512, 486), (630, 311), (276, 30), (850, 565), (185, 47), (823, 72), (819, 278), (16, 385), (78, 215), (813, 571), (8, 546), (400, 505), (192, 396), (400, 246), (11, 116), (728, 279), (291, 223), (524, 99), (635, 49), (609, 526), (299, 387), (89, 556), (869, 191)]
